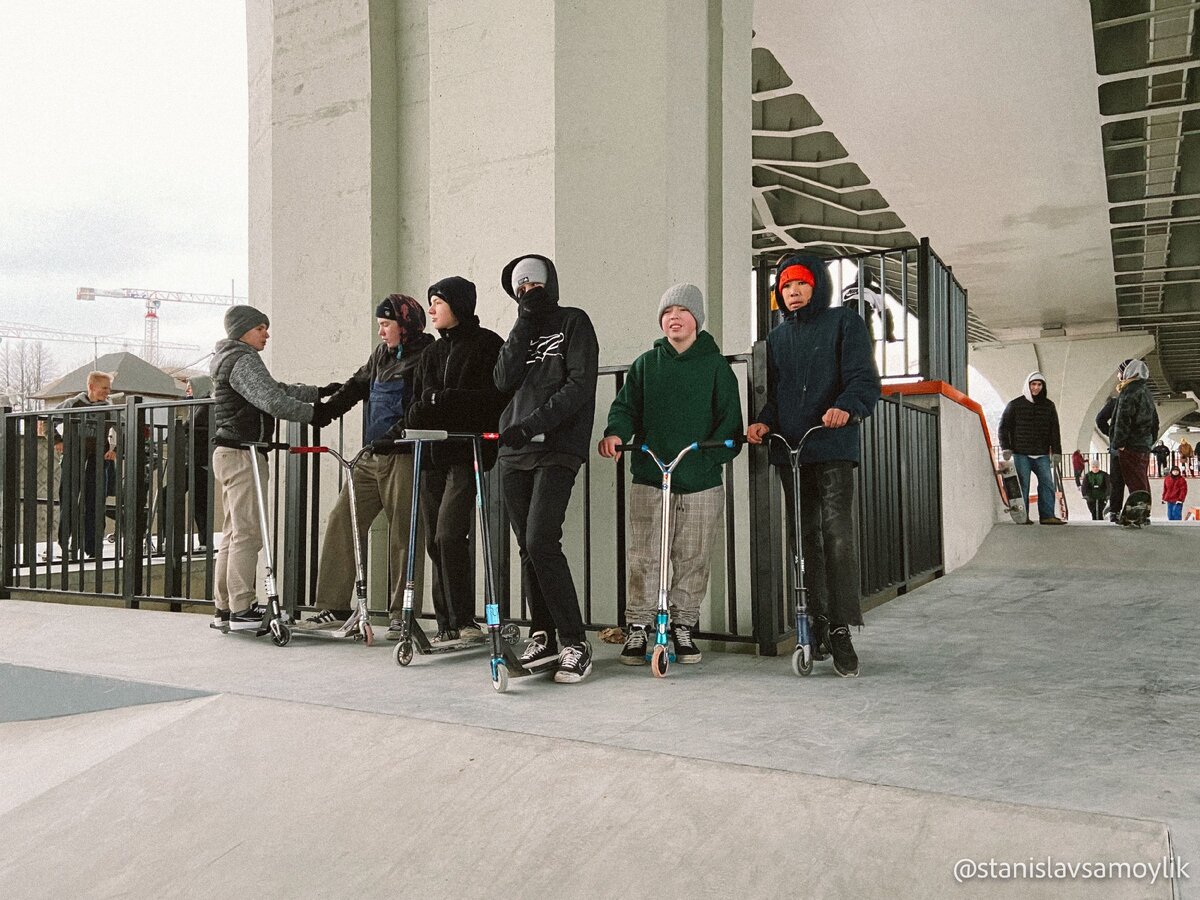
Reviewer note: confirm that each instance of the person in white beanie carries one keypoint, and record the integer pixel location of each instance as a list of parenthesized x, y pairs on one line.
[(679, 391)]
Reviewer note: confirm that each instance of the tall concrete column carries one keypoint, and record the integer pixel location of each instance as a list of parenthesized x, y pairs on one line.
[(1080, 374)]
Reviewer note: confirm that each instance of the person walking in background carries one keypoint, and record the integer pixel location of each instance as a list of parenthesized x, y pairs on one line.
[(1029, 432), (1095, 491), (1162, 456), (1187, 457), (79, 445), (1174, 494)]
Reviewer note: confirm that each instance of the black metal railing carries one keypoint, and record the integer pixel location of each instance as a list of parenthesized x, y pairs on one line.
[(914, 307), (163, 520)]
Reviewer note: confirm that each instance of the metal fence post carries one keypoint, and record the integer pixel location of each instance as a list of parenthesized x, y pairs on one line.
[(131, 537), (765, 534), (8, 501), (295, 502)]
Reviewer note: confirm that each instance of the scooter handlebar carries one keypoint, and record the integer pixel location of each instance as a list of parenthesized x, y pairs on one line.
[(260, 445), (308, 450), (727, 444)]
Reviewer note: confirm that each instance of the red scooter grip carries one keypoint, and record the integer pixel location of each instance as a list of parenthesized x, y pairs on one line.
[(309, 450)]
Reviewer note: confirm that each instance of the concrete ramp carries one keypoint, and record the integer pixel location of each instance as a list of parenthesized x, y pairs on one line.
[(294, 800)]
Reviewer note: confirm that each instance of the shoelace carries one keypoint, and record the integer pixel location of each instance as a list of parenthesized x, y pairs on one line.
[(533, 650), (570, 657), (683, 636), (637, 638)]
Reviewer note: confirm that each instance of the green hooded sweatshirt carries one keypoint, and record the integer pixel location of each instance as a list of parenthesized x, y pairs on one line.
[(671, 399)]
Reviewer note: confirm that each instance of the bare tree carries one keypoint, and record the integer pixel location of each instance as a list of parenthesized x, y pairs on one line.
[(25, 368)]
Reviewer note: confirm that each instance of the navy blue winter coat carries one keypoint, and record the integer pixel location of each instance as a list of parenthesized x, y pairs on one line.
[(818, 357)]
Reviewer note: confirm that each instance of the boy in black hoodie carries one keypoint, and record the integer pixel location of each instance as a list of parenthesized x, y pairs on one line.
[(549, 363), (457, 393), (821, 371)]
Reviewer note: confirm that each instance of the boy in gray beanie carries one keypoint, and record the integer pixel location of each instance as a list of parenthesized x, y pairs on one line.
[(679, 391), (247, 402)]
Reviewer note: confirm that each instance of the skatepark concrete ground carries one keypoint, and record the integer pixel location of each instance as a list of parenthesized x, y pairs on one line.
[(1041, 703)]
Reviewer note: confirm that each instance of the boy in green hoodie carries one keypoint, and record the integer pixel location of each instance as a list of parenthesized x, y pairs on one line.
[(681, 390)]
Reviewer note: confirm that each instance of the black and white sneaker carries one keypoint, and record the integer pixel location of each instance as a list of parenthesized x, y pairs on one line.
[(634, 651), (348, 628), (395, 630), (247, 618), (820, 638), (447, 638), (538, 653), (845, 660), (686, 650), (323, 620), (574, 663), (220, 620)]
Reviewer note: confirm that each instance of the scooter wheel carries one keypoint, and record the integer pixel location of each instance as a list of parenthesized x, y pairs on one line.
[(500, 682), (368, 634), (280, 634), (510, 633), (403, 653), (799, 665), (660, 661)]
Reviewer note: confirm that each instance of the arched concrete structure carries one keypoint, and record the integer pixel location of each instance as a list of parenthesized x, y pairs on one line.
[(1170, 412), (1080, 374)]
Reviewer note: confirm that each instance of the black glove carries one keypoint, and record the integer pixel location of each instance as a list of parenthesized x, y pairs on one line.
[(534, 304), (429, 395), (515, 436), (322, 415), (329, 390), (383, 446)]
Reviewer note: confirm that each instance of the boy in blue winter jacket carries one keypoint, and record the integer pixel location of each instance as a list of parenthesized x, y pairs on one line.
[(821, 371)]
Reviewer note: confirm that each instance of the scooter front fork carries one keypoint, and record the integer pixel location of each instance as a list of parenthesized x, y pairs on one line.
[(661, 637), (491, 614)]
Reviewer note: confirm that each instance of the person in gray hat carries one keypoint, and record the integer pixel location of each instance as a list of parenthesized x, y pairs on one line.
[(679, 391), (549, 363), (247, 402)]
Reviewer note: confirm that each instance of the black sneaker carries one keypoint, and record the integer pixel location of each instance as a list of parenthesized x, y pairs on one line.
[(323, 620), (220, 620), (686, 650), (247, 618), (819, 636), (445, 638), (634, 651), (574, 663), (395, 630), (539, 653), (845, 660)]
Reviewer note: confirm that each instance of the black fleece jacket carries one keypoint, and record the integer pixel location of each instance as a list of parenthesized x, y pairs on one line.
[(549, 364), (456, 374)]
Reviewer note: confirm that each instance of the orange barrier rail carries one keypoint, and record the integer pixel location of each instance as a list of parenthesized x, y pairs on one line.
[(928, 388)]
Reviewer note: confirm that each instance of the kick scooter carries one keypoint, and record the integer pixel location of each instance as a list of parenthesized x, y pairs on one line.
[(273, 621), (802, 656), (661, 655), (412, 636), (364, 631)]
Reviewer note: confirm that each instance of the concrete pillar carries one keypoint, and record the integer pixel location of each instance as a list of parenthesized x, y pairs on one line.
[(1080, 373), (1170, 412)]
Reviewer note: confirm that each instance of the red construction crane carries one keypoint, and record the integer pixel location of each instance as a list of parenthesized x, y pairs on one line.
[(153, 300)]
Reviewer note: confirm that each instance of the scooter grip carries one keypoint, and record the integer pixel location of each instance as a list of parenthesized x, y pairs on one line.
[(424, 434), (629, 448), (308, 450), (727, 444)]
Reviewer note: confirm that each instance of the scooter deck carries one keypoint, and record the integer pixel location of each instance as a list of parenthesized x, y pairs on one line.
[(1012, 493)]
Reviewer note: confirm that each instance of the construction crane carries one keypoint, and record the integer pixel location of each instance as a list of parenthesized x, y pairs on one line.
[(154, 300)]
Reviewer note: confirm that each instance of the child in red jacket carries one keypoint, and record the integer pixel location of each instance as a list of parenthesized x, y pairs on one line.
[(1174, 493)]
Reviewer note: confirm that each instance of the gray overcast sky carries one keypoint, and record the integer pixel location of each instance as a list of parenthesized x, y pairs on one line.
[(122, 162)]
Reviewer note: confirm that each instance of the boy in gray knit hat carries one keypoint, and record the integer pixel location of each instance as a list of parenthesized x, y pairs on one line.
[(679, 391), (247, 402)]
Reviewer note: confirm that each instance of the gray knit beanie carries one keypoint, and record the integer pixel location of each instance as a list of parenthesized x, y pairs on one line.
[(530, 270), (687, 296), (241, 318)]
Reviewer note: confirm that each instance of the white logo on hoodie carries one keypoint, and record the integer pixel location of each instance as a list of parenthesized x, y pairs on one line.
[(545, 346)]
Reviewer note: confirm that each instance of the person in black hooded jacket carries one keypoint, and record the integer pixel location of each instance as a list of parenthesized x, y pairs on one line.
[(1029, 434), (457, 393), (549, 364), (821, 371)]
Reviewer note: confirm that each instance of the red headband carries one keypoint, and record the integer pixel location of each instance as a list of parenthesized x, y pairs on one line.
[(797, 272)]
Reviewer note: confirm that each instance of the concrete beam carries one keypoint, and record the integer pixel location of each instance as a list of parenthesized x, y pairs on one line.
[(1170, 412), (1080, 372)]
